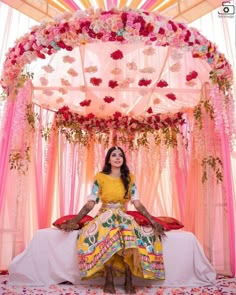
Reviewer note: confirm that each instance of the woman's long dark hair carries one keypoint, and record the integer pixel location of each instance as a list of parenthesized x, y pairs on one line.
[(124, 169)]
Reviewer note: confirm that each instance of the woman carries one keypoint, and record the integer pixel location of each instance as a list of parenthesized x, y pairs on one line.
[(113, 243)]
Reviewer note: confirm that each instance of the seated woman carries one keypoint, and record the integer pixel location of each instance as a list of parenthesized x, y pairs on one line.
[(114, 243)]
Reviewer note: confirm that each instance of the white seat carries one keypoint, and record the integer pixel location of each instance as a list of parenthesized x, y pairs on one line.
[(51, 258)]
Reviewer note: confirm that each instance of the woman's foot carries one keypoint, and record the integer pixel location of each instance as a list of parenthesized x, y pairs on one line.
[(109, 288), (109, 283), (129, 289)]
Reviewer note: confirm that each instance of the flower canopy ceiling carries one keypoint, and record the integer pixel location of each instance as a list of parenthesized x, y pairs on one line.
[(131, 79), (129, 61), (129, 64)]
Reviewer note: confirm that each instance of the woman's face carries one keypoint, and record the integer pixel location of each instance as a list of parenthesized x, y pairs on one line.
[(116, 158)]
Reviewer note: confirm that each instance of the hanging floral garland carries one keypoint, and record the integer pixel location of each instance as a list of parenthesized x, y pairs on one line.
[(132, 131)]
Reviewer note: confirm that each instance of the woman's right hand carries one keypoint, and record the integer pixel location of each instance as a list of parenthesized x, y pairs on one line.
[(159, 230), (69, 226)]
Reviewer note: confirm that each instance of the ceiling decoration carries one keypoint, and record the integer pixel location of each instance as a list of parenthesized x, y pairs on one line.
[(181, 10), (129, 71)]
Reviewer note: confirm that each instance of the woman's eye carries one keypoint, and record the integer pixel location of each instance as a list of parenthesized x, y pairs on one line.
[(116, 155)]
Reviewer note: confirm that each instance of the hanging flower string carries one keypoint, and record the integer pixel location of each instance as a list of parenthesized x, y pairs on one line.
[(81, 128), (121, 26)]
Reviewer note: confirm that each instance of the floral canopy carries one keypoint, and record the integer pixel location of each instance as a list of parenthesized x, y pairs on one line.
[(128, 70)]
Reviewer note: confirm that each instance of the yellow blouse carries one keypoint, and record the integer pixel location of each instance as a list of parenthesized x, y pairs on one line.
[(111, 189)]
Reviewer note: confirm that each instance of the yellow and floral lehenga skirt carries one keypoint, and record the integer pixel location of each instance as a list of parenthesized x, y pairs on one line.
[(115, 238)]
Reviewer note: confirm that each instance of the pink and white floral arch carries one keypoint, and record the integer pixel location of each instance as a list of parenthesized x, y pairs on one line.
[(120, 64)]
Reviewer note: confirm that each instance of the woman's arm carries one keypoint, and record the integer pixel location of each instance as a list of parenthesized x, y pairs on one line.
[(159, 229), (72, 224)]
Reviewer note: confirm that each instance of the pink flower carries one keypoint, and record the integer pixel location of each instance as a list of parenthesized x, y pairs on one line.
[(171, 96), (68, 59), (72, 72), (118, 54), (91, 69), (108, 99)]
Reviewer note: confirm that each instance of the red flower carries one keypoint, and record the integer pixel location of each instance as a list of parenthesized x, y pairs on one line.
[(63, 110), (187, 36), (61, 44), (157, 118), (117, 54), (112, 84), (168, 120), (95, 81), (144, 82), (174, 27), (124, 17), (108, 99), (171, 96), (149, 110), (192, 75), (85, 103), (162, 83), (120, 38), (161, 31), (149, 27), (116, 115), (69, 48), (22, 50), (91, 33), (40, 55), (99, 35), (85, 25), (90, 116)]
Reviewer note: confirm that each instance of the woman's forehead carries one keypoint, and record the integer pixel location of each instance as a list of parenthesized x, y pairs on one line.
[(116, 151)]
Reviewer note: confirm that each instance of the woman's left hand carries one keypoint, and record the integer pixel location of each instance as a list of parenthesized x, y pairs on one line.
[(69, 226)]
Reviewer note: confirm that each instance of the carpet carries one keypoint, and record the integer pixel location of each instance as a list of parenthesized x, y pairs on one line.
[(223, 287)]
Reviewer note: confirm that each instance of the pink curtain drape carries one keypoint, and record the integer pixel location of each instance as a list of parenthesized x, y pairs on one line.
[(15, 183)]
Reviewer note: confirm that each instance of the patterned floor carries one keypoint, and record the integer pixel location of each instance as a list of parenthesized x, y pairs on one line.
[(223, 287)]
